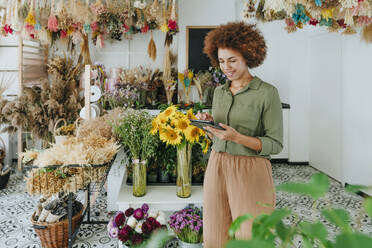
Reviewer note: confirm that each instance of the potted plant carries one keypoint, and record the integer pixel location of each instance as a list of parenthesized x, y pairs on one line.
[(167, 159), (188, 226), (135, 226), (199, 164), (174, 128), (152, 171), (134, 132)]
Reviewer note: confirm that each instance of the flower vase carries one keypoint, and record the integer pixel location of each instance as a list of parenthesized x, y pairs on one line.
[(139, 177), (182, 244), (184, 170)]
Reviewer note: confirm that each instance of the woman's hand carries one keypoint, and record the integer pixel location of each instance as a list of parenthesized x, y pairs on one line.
[(204, 116), (228, 134)]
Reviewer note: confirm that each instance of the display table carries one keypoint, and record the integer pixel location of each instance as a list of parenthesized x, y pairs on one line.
[(163, 198)]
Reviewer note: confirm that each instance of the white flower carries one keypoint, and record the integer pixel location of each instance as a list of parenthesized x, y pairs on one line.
[(162, 214), (161, 220), (132, 222), (139, 5), (138, 228), (153, 213)]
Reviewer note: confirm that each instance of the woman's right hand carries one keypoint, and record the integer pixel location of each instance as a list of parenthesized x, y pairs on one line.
[(204, 116)]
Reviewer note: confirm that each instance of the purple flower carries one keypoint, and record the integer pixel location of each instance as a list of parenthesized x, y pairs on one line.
[(124, 234), (129, 212), (138, 214), (145, 208), (120, 219), (113, 232)]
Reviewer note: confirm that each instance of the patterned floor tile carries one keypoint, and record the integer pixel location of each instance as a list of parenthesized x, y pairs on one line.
[(16, 208)]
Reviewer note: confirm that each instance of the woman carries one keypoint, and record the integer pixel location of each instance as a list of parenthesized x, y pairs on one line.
[(238, 179)]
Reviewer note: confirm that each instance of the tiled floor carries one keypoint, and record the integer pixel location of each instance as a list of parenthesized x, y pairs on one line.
[(16, 208)]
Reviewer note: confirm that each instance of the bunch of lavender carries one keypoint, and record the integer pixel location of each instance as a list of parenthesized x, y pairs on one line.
[(188, 224), (218, 76), (124, 95)]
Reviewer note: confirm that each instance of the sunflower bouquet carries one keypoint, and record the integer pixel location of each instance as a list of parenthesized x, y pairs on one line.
[(174, 128)]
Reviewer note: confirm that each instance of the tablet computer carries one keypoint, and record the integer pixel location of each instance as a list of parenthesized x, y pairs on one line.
[(201, 124)]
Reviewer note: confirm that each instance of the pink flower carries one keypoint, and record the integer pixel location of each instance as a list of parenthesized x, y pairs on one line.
[(126, 28), (114, 232), (63, 34), (29, 28), (94, 26), (138, 214), (120, 219), (125, 233), (172, 25), (145, 29), (8, 29), (129, 212)]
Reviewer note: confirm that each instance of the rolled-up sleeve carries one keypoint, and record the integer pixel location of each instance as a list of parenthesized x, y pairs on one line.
[(272, 120)]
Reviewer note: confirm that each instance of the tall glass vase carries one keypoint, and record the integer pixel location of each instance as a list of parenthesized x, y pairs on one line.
[(139, 177), (184, 170)]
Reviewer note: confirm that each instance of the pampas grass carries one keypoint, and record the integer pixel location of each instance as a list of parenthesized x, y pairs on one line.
[(39, 107)]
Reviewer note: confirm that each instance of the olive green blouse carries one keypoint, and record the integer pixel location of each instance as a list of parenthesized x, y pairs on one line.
[(256, 111)]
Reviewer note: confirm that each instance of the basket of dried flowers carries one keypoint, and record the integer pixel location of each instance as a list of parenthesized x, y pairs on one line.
[(71, 166), (4, 170), (63, 132), (51, 223)]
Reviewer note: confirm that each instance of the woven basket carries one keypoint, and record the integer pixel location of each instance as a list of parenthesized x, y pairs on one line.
[(55, 235)]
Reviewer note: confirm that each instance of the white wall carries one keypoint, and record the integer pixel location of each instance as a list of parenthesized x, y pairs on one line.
[(325, 129), (357, 113)]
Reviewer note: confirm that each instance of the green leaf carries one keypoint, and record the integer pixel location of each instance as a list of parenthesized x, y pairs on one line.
[(357, 188), (249, 244), (353, 240), (283, 231), (368, 206), (314, 230), (307, 243), (339, 217), (263, 225), (237, 223), (317, 187)]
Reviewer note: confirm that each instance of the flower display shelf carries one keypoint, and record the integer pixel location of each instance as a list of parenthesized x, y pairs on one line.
[(89, 188), (130, 183), (162, 198)]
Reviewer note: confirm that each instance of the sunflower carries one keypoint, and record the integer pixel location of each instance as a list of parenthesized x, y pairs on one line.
[(190, 115), (192, 134), (170, 111), (161, 120), (170, 136), (182, 124), (155, 126), (206, 145)]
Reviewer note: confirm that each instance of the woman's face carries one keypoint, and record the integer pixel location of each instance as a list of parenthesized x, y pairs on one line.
[(232, 63)]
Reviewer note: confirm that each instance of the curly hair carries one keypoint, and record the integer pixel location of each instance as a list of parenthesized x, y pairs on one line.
[(239, 36)]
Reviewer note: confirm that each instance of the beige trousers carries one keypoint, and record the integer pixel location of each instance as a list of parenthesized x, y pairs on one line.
[(233, 186)]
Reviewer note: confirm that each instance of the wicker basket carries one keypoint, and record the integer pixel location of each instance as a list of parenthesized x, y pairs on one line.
[(55, 235)]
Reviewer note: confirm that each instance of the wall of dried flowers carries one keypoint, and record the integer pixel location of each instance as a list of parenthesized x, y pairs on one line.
[(74, 19), (344, 16)]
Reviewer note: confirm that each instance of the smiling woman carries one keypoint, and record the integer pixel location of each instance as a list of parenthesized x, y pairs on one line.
[(239, 173)]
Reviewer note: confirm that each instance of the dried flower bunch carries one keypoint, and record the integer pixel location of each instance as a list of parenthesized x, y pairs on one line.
[(93, 145), (346, 16), (66, 130), (39, 107)]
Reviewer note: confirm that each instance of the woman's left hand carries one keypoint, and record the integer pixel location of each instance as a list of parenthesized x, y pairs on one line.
[(228, 134)]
